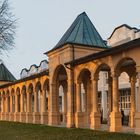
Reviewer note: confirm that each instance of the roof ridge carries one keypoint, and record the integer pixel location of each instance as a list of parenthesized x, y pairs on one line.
[(81, 31)]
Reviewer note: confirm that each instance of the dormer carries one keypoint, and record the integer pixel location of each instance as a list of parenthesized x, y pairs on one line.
[(123, 34)]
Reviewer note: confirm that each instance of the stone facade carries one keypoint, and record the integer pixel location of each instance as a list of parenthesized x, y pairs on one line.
[(67, 92)]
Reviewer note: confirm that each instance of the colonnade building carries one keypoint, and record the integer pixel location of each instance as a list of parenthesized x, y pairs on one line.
[(86, 82)]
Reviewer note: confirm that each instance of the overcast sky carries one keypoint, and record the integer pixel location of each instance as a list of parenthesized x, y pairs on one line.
[(43, 22)]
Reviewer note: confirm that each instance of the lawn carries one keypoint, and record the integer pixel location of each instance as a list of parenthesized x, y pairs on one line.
[(21, 131)]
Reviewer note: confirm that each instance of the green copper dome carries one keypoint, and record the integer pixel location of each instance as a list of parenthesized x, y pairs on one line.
[(83, 32)]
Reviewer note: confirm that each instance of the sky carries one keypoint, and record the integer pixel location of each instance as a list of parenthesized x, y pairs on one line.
[(41, 24)]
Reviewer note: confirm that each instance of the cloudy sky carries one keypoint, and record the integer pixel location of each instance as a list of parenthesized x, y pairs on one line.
[(43, 22)]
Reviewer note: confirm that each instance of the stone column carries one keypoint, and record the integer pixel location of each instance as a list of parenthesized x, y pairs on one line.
[(28, 102), (132, 99), (44, 114), (137, 115), (115, 116), (22, 112), (36, 101), (16, 108), (79, 121), (2, 108), (11, 109), (53, 108), (78, 97), (95, 115), (29, 116), (22, 103), (70, 107), (6, 104), (7, 111), (36, 114), (16, 103), (43, 101), (109, 98)]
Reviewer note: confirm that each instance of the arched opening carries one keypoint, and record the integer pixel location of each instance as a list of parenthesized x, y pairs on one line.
[(17, 105), (62, 101), (8, 101), (13, 100), (24, 98), (46, 92), (124, 97), (30, 103), (18, 99), (104, 101), (60, 81), (45, 102), (38, 96), (31, 99), (23, 102), (83, 97), (126, 69)]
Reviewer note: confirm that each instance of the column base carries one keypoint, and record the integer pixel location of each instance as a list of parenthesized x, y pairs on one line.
[(36, 118), (44, 118), (7, 116), (29, 117), (79, 120), (11, 117), (2, 116), (23, 117), (132, 119), (65, 118), (95, 120), (70, 122), (17, 117), (53, 118), (115, 122), (137, 123)]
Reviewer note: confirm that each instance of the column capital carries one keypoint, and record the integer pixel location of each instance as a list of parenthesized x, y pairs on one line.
[(138, 75), (78, 82), (138, 69), (42, 92), (53, 84), (133, 78), (114, 74), (95, 77)]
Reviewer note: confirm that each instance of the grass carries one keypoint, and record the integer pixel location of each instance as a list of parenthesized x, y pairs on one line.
[(21, 131)]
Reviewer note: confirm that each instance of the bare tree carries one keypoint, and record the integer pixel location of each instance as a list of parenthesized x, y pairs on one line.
[(7, 26)]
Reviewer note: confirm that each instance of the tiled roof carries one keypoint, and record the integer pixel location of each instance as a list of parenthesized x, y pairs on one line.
[(83, 32)]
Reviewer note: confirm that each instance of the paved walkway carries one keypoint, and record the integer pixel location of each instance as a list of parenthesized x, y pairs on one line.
[(105, 127), (125, 129)]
